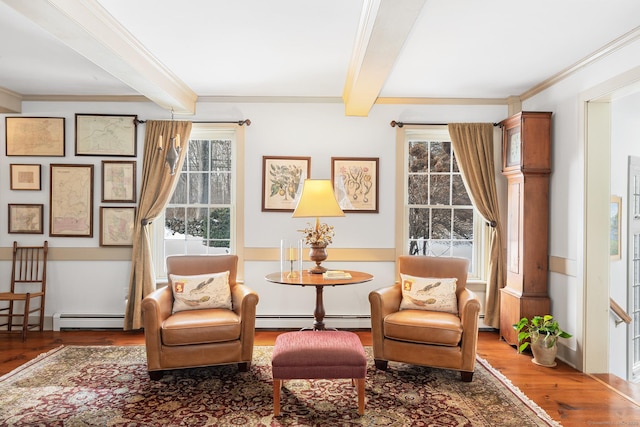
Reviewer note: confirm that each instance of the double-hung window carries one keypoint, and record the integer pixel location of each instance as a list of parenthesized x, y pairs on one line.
[(200, 217), (438, 218)]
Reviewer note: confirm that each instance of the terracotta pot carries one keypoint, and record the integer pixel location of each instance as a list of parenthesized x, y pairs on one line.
[(543, 355)]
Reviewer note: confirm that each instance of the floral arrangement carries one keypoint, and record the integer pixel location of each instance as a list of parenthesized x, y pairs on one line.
[(318, 235)]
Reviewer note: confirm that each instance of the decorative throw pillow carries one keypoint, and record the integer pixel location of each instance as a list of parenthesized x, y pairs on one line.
[(429, 293), (202, 291)]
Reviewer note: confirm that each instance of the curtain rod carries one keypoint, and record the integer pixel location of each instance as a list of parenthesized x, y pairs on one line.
[(401, 124), (239, 122)]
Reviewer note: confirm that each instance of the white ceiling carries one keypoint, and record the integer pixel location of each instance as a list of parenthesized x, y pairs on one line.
[(175, 52)]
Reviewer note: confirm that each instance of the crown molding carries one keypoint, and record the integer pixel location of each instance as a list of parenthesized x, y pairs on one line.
[(10, 102)]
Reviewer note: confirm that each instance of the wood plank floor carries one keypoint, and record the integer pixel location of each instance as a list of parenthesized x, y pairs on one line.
[(570, 397)]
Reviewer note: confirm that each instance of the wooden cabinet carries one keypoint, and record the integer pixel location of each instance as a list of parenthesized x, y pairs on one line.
[(526, 163)]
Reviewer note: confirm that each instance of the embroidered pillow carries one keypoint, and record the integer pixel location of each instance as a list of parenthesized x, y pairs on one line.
[(199, 292), (429, 293)]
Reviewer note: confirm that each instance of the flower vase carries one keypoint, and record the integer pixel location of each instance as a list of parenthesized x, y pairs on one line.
[(318, 253)]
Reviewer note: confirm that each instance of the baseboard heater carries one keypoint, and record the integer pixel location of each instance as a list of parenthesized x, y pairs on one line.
[(87, 321)]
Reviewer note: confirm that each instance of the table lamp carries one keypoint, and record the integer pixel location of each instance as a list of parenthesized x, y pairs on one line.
[(317, 199)]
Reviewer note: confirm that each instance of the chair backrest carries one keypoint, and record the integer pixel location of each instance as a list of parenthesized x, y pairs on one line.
[(428, 266), (29, 267), (191, 265)]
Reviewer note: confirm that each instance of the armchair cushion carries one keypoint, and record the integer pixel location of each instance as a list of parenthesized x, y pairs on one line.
[(422, 327), (191, 327), (204, 291), (429, 293)]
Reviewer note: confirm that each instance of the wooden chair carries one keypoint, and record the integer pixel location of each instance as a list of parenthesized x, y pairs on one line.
[(28, 287)]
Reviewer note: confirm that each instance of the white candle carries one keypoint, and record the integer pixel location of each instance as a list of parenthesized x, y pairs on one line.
[(292, 254)]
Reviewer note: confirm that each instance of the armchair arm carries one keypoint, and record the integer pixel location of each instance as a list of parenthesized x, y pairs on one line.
[(469, 309), (383, 302), (244, 301), (156, 307)]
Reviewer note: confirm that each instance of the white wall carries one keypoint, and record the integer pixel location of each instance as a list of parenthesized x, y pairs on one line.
[(568, 289), (318, 130)]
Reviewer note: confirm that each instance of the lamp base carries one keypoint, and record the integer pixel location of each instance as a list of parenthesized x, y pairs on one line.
[(318, 254)]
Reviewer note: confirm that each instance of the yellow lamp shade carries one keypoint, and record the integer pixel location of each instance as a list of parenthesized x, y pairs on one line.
[(317, 199)]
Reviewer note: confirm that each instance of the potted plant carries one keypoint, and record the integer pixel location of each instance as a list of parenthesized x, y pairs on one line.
[(541, 332)]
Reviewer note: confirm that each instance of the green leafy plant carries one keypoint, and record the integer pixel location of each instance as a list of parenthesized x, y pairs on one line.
[(543, 328)]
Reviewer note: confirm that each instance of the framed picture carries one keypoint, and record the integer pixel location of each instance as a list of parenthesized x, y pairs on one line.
[(282, 179), (355, 183), (24, 177), (106, 135), (116, 225), (118, 181), (71, 201), (34, 136), (615, 243), (25, 219)]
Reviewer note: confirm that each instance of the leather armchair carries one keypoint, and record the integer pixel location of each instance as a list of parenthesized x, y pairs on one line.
[(199, 337), (427, 338)]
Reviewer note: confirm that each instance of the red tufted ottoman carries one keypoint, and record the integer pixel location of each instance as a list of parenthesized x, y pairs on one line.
[(318, 355)]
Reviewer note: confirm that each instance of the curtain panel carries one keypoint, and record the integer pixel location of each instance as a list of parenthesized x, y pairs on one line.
[(473, 147), (156, 190)]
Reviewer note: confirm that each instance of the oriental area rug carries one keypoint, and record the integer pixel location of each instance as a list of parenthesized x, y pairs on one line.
[(110, 386)]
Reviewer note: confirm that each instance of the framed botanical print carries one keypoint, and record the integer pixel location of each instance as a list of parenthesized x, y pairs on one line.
[(118, 181), (25, 218), (24, 177), (71, 200), (116, 225), (355, 183), (106, 135), (34, 136), (282, 179)]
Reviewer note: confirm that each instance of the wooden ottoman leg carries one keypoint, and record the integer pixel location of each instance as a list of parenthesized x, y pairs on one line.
[(360, 388), (277, 385)]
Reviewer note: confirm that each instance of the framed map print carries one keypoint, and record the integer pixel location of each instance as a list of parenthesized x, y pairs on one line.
[(118, 181), (106, 135), (71, 201), (25, 219), (116, 225), (34, 136), (24, 177)]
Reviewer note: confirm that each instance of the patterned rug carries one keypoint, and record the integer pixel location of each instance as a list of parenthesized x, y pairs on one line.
[(109, 386)]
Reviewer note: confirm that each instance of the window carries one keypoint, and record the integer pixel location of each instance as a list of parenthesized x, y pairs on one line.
[(439, 218), (200, 217)]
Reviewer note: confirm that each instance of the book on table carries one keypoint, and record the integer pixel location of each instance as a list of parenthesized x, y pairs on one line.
[(336, 274)]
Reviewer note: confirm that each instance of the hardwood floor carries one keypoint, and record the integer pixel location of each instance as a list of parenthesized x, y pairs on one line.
[(570, 397)]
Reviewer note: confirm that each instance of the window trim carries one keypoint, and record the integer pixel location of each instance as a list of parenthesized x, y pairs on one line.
[(402, 208), (205, 130)]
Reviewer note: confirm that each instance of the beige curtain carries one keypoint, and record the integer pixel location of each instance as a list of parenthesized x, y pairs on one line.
[(157, 187), (473, 146)]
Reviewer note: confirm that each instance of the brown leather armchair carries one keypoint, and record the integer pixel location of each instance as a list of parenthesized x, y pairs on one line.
[(428, 338), (199, 337)]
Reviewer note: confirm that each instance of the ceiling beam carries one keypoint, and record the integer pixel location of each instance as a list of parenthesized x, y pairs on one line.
[(86, 27), (384, 27)]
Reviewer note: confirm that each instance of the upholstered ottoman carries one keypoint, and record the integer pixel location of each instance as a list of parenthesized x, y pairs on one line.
[(318, 355)]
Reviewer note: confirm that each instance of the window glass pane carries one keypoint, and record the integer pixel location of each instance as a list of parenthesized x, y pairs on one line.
[(440, 248), (198, 156), (418, 156), (196, 223), (221, 156), (220, 188), (418, 223), (440, 156), (463, 224), (459, 191), (441, 223), (198, 188), (174, 220), (418, 189), (462, 249), (179, 196), (440, 190), (219, 227)]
